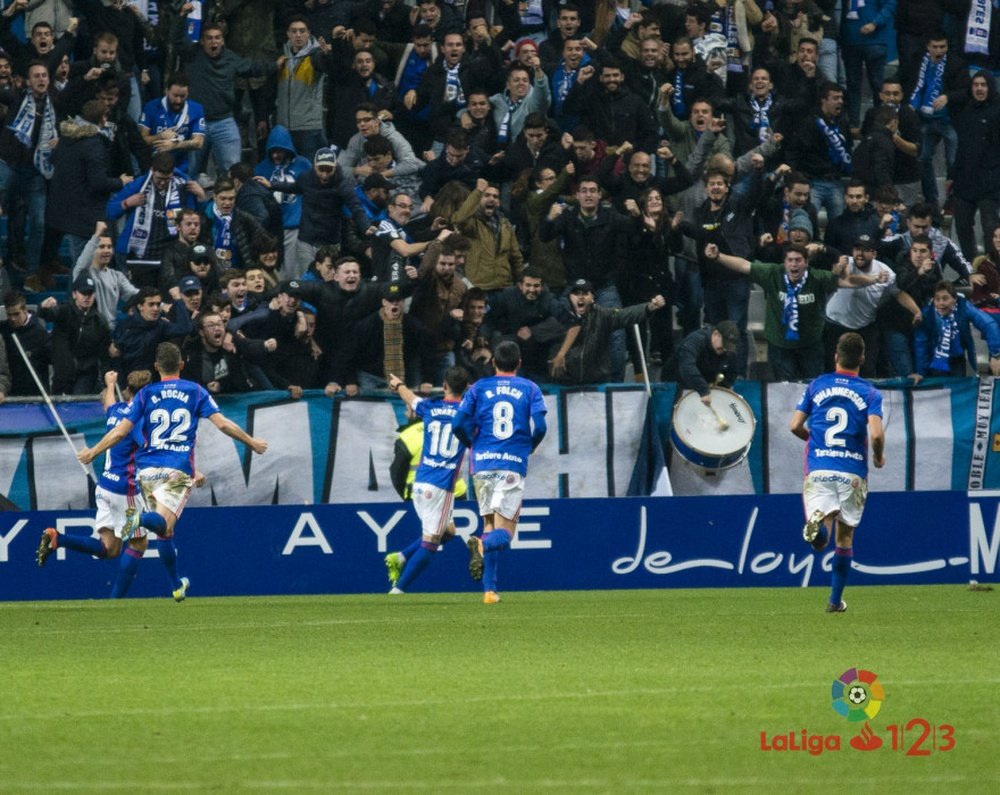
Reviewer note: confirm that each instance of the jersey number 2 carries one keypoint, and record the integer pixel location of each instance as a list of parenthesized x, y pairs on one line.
[(837, 417), (169, 428)]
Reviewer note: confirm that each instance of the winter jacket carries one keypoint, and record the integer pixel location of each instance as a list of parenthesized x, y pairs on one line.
[(300, 88), (876, 12), (592, 250), (589, 360), (405, 162), (874, 160), (322, 205), (477, 74), (613, 117), (494, 260), (79, 344), (81, 185), (696, 365), (925, 335), (293, 164), (976, 170), (111, 286), (34, 338)]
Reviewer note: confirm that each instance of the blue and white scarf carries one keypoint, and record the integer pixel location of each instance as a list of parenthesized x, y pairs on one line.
[(224, 236), (853, 7), (24, 124), (836, 145), (453, 91), (193, 27), (677, 103), (761, 119), (790, 314), (138, 238), (948, 343), (503, 129), (977, 26), (928, 87)]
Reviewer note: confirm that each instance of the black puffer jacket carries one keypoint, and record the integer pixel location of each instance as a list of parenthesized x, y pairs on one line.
[(976, 171)]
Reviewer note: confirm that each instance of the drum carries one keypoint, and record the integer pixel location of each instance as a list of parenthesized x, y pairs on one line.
[(713, 438)]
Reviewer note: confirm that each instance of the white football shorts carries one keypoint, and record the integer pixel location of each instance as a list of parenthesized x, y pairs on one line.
[(832, 492), (111, 510), (167, 487), (434, 508), (499, 491)]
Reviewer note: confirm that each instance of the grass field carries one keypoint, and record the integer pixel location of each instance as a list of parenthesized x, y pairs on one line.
[(623, 691)]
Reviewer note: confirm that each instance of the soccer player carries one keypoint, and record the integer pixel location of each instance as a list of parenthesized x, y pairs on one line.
[(837, 415), (503, 420), (167, 414), (434, 483), (117, 500)]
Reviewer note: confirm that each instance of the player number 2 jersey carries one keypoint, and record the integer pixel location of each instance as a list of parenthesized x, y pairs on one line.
[(167, 413), (838, 406)]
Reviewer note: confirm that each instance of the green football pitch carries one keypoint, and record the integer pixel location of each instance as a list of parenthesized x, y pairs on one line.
[(617, 691)]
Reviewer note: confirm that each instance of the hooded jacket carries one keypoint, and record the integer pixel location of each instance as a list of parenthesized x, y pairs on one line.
[(81, 185), (300, 88), (293, 166)]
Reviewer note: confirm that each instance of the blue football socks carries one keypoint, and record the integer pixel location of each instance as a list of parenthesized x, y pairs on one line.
[(168, 554), (493, 544), (416, 563), (153, 522), (86, 544), (128, 565), (411, 550), (841, 566)]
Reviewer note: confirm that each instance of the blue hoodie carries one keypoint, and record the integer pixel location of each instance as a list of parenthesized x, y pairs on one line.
[(293, 165)]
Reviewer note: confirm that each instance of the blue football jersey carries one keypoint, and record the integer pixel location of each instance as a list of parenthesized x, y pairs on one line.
[(118, 476), (501, 409), (442, 452), (838, 406), (167, 415)]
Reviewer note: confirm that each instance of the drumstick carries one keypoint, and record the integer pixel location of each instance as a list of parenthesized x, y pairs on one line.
[(723, 425)]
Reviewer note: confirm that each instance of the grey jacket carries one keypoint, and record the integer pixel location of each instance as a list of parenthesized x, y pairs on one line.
[(109, 285)]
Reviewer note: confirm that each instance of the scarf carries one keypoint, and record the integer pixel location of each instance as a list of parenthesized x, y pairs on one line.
[(761, 120), (453, 85), (677, 103), (24, 125), (142, 223), (977, 26), (503, 130), (853, 7), (836, 145), (724, 22), (193, 28), (927, 90), (392, 348), (790, 313), (948, 344), (224, 237)]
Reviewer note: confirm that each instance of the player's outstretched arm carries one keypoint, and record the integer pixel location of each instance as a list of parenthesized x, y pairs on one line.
[(877, 436), (396, 385), (109, 440), (798, 425), (234, 431)]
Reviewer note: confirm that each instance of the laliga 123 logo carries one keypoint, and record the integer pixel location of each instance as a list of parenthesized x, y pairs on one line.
[(858, 696)]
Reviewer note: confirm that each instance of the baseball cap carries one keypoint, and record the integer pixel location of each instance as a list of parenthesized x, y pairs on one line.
[(373, 181), (84, 284), (200, 253), (865, 242), (392, 291), (325, 156), (189, 284), (581, 286), (730, 335)]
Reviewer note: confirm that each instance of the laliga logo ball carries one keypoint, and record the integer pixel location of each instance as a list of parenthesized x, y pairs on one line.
[(857, 694)]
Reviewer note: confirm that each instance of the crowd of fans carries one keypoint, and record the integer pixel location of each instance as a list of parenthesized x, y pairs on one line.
[(317, 194)]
